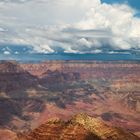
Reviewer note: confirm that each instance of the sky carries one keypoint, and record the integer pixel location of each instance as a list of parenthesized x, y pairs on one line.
[(70, 26)]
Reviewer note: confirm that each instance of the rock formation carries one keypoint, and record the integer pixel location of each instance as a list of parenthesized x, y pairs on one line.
[(80, 127)]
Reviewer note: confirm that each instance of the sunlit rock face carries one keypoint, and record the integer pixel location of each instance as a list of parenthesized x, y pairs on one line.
[(81, 126)]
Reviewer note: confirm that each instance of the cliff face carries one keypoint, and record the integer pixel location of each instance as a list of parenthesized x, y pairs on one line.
[(87, 69), (102, 130), (14, 78), (7, 135), (80, 127), (123, 77)]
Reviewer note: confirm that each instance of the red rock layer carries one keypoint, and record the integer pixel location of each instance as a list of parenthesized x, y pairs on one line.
[(81, 127)]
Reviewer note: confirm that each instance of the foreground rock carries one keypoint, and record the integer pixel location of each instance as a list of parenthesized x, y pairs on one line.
[(80, 127)]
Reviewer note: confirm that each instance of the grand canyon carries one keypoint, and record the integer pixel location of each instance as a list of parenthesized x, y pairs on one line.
[(70, 100)]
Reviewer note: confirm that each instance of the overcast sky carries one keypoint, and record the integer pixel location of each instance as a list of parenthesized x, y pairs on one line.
[(71, 26)]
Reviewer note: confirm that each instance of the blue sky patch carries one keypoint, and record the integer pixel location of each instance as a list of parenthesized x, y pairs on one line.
[(132, 3)]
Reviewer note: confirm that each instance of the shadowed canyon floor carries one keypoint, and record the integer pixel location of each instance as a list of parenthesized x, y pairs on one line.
[(30, 94)]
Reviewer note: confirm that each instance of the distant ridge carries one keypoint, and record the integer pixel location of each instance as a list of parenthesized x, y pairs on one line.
[(36, 57)]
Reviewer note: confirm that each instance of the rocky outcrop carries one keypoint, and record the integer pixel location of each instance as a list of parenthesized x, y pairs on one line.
[(102, 130), (80, 127), (6, 134)]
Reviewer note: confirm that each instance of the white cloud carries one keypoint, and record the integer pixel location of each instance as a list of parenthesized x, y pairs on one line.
[(77, 26), (1, 29), (119, 19), (6, 53)]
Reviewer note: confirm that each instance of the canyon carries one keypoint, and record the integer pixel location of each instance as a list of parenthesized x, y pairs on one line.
[(33, 93)]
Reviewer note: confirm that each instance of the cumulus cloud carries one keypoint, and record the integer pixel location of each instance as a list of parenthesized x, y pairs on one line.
[(119, 19), (76, 26)]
